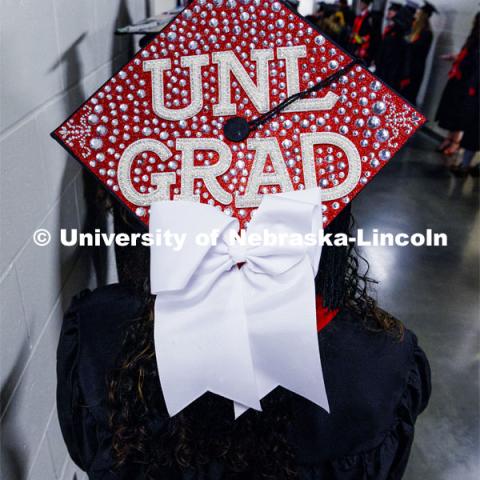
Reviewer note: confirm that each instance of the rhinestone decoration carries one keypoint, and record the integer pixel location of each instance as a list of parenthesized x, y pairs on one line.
[(155, 130)]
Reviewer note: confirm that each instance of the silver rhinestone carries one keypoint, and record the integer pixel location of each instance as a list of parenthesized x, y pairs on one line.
[(382, 135), (385, 155), (375, 86), (101, 130), (363, 101), (276, 7), (379, 108), (96, 143), (374, 122), (93, 119)]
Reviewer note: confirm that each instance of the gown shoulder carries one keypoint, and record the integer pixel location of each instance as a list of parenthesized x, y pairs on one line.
[(377, 386)]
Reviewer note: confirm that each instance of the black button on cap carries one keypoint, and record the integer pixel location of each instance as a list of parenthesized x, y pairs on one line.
[(236, 129)]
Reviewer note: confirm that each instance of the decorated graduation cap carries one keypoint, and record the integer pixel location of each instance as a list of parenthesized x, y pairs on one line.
[(238, 107), (156, 129)]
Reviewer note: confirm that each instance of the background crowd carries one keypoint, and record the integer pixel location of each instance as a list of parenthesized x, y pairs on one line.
[(395, 44)]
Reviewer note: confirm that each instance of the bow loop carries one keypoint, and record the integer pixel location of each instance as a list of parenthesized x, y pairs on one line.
[(171, 268), (287, 219)]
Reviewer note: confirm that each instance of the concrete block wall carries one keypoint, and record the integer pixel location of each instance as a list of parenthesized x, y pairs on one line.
[(54, 54)]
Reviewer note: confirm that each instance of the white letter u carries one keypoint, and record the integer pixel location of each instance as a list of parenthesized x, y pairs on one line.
[(194, 63)]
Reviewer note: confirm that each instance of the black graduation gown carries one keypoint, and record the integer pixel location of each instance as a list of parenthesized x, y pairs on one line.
[(459, 106), (377, 386), (416, 54), (390, 58), (367, 26)]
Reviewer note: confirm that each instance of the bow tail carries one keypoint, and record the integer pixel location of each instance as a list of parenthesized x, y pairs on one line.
[(201, 343), (285, 344)]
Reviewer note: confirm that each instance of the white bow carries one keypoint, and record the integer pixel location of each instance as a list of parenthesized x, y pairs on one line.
[(237, 332)]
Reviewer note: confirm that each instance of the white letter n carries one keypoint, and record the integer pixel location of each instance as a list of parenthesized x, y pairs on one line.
[(259, 94)]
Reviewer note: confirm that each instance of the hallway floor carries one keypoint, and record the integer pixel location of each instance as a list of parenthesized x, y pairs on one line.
[(435, 292)]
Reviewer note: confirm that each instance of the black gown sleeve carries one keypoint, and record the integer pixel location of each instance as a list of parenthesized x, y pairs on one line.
[(77, 424), (90, 339)]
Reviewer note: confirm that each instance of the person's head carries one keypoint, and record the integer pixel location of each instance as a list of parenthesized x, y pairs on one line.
[(343, 3), (364, 4), (393, 9), (204, 432), (421, 23), (429, 9)]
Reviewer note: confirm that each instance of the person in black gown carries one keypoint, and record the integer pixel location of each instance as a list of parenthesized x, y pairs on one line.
[(348, 13), (391, 53), (116, 426), (458, 108), (366, 32), (419, 43)]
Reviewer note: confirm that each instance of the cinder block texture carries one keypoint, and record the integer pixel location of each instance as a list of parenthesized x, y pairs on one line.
[(55, 53)]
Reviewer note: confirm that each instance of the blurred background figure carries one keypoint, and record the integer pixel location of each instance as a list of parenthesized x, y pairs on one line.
[(412, 6), (392, 10), (348, 12), (338, 21), (419, 42), (391, 52), (366, 32), (293, 4), (458, 111)]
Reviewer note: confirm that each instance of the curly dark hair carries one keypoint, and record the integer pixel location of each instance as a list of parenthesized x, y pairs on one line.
[(204, 434)]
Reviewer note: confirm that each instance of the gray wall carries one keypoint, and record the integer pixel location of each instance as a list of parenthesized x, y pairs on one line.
[(54, 53)]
